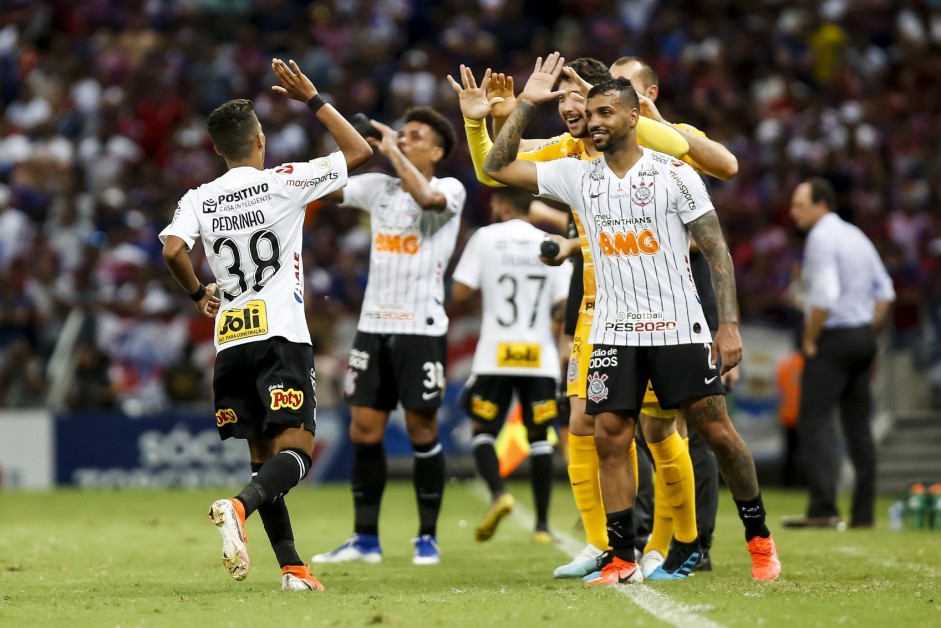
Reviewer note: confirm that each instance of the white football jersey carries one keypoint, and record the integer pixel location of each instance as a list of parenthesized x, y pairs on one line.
[(250, 223), (410, 251), (636, 227), (518, 292)]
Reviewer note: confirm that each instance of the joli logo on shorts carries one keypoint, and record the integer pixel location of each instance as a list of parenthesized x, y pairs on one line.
[(519, 354), (290, 398)]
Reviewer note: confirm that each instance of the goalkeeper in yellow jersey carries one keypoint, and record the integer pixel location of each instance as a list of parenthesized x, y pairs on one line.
[(671, 454)]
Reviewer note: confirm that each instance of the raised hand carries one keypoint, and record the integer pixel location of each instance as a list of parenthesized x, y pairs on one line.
[(294, 84), (649, 110), (390, 138), (475, 102), (573, 76), (538, 88), (501, 86)]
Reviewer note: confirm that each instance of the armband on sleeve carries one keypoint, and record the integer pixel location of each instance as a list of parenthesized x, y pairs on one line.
[(661, 138), (479, 144)]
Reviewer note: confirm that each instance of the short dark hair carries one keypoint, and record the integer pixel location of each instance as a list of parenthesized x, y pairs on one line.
[(519, 199), (822, 190), (438, 123), (589, 69), (622, 86), (647, 73), (232, 127)]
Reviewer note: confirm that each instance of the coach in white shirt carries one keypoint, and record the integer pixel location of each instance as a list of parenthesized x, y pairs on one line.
[(848, 297)]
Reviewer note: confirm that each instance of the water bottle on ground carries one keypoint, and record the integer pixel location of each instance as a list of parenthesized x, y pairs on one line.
[(934, 504), (897, 514), (916, 507)]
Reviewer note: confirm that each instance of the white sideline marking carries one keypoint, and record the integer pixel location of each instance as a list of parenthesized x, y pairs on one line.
[(658, 604)]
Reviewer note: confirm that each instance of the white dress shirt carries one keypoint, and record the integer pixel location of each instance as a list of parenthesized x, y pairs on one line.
[(843, 273)]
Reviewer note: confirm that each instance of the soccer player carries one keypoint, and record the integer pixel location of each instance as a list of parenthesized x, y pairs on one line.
[(583, 459), (249, 221), (709, 157), (400, 349), (639, 208), (516, 351)]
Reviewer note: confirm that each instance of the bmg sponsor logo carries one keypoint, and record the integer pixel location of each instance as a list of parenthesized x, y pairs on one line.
[(628, 243), (395, 243)]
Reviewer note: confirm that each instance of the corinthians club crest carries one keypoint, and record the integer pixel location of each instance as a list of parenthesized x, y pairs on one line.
[(642, 193), (597, 389)]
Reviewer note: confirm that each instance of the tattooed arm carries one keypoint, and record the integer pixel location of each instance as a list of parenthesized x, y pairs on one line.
[(501, 164), (708, 235)]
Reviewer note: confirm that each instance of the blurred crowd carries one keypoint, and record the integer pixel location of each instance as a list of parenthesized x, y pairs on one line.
[(102, 129)]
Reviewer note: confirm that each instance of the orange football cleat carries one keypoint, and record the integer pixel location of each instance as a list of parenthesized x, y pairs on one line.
[(764, 559)]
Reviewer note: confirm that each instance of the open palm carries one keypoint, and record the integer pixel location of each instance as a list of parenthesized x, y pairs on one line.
[(473, 100), (538, 88)]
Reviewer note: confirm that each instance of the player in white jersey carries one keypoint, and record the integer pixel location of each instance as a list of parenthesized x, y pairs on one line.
[(250, 223), (400, 349), (516, 351), (639, 208)]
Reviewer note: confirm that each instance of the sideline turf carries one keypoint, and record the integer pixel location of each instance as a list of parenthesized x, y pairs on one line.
[(150, 558)]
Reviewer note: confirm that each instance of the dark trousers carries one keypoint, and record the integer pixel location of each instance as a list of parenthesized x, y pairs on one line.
[(706, 474), (837, 378)]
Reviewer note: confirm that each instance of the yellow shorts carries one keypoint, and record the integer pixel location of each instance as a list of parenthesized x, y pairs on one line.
[(577, 373), (652, 406)]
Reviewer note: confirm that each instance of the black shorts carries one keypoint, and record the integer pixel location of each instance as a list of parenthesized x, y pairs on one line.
[(387, 368), (264, 384), (618, 375), (487, 399)]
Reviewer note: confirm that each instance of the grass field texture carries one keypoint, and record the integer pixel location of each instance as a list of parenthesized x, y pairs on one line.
[(151, 558)]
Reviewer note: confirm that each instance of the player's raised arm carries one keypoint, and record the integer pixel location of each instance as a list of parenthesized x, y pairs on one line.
[(501, 163), (295, 85)]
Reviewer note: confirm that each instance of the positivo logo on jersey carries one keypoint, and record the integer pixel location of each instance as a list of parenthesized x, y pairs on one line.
[(628, 243), (244, 322), (519, 354), (210, 205)]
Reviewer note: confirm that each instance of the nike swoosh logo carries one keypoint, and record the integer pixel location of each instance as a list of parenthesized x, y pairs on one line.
[(672, 483), (709, 380), (427, 396), (595, 195), (582, 482)]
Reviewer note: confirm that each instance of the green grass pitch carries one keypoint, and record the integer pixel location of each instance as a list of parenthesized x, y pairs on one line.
[(150, 558)]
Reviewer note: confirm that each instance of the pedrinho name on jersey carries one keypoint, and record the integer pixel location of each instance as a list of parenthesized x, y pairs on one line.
[(247, 220)]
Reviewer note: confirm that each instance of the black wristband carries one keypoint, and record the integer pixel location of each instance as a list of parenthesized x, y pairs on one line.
[(199, 294), (316, 102)]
